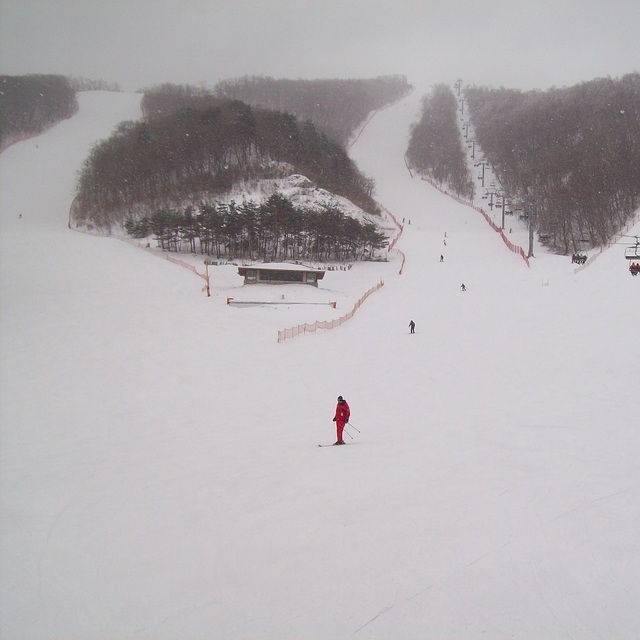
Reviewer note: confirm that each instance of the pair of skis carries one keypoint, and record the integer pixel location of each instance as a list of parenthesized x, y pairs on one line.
[(335, 444)]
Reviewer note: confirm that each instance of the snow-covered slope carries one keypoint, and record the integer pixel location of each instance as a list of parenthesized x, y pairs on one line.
[(159, 470)]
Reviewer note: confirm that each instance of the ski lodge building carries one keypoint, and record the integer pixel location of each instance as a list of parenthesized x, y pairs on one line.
[(281, 273)]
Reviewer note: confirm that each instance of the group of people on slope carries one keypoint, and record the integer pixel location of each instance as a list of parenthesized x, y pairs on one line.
[(578, 258), (634, 268)]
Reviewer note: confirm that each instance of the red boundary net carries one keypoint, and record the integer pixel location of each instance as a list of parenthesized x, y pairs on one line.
[(514, 248), (615, 240), (286, 334)]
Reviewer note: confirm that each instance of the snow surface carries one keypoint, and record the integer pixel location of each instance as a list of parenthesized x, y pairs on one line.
[(160, 475)]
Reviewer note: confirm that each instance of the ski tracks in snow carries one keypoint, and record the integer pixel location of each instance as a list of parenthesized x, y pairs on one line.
[(529, 534), (442, 580)]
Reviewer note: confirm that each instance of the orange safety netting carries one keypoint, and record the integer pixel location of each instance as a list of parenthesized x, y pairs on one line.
[(512, 247), (285, 334)]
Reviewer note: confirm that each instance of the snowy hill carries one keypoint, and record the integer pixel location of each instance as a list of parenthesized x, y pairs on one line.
[(160, 475)]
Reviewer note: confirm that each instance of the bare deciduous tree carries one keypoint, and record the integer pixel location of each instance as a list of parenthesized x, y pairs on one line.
[(575, 150)]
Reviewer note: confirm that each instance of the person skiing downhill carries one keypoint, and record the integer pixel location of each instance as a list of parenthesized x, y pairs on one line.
[(412, 326), (341, 418)]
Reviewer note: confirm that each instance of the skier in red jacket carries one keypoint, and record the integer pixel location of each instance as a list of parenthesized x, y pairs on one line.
[(341, 418)]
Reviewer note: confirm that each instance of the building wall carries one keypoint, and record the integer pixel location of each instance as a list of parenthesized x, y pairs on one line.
[(270, 276)]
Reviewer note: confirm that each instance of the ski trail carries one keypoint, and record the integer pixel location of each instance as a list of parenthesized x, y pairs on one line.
[(380, 613)]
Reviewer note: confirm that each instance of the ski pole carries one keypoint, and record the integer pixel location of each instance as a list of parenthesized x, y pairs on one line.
[(345, 431), (356, 428)]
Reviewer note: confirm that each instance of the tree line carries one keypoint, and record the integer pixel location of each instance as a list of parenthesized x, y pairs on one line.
[(80, 83), (192, 146), (435, 148), (31, 104), (275, 230), (335, 106), (571, 155)]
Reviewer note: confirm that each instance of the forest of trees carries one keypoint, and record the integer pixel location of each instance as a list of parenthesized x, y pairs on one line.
[(87, 84), (275, 230), (571, 155), (336, 107), (435, 148), (31, 104), (192, 146)]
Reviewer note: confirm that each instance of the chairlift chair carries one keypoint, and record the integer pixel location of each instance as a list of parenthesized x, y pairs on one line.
[(632, 253)]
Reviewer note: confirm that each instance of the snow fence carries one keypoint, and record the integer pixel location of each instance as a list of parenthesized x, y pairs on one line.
[(286, 334), (514, 248), (615, 240)]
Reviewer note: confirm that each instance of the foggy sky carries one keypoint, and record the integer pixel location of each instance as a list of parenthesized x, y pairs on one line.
[(139, 43)]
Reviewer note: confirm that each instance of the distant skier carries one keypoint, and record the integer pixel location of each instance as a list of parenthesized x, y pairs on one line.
[(462, 287), (341, 418), (441, 258), (412, 326)]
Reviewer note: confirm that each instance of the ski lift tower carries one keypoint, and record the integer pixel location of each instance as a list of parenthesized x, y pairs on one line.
[(502, 202), (484, 164), (530, 203)]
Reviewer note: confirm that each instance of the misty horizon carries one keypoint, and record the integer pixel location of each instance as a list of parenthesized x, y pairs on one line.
[(138, 44)]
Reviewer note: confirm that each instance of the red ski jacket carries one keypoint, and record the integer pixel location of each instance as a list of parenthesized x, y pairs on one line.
[(342, 412)]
